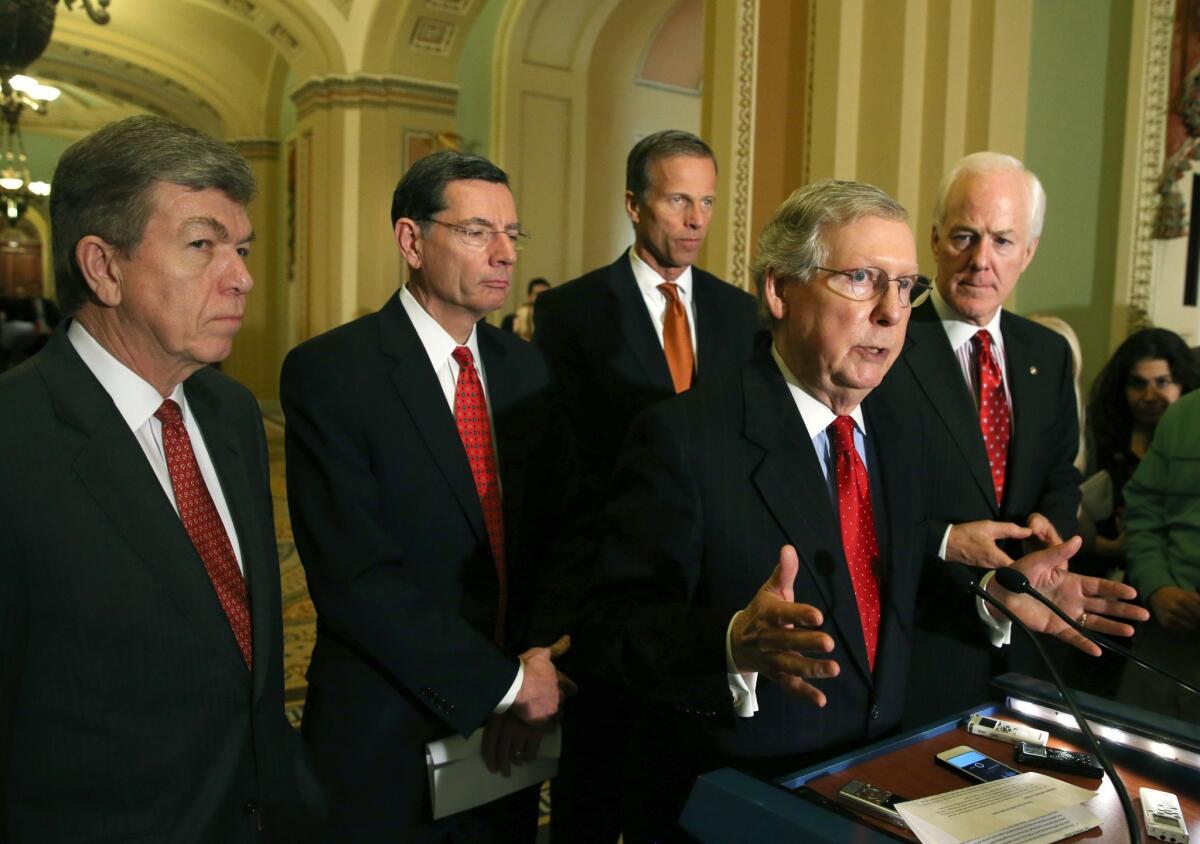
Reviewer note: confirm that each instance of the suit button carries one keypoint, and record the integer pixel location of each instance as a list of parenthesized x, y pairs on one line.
[(251, 807)]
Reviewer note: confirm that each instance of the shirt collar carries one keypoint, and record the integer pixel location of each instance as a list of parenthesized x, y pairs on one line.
[(648, 278), (135, 398), (958, 330), (439, 345), (817, 417)]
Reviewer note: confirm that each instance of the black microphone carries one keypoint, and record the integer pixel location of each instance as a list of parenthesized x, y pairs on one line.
[(968, 581), (1014, 581)]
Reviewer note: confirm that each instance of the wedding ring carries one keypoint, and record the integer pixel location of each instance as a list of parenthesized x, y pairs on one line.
[(1082, 620)]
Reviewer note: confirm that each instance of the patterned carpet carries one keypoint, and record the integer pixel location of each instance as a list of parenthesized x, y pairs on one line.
[(299, 617)]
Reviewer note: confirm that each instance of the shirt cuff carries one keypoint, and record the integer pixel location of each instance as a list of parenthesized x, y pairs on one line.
[(1000, 632), (742, 685), (511, 697), (945, 542)]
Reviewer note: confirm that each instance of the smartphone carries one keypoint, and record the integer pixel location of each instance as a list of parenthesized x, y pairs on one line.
[(873, 800), (974, 765), (1056, 759)]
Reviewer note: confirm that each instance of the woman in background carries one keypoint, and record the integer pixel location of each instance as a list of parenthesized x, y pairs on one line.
[(1146, 374)]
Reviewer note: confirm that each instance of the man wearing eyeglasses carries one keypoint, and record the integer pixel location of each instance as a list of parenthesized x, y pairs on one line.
[(999, 389), (426, 476), (794, 460), (619, 339)]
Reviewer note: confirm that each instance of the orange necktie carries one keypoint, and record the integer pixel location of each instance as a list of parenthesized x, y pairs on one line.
[(677, 338)]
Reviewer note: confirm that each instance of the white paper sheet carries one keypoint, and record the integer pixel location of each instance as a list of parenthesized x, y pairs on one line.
[(1031, 808), (459, 780)]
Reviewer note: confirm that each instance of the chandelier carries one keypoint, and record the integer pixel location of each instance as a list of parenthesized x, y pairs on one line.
[(25, 30)]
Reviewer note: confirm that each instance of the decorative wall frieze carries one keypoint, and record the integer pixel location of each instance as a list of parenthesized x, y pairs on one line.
[(458, 7), (245, 8), (1151, 146), (743, 165), (367, 90), (257, 149), (433, 35)]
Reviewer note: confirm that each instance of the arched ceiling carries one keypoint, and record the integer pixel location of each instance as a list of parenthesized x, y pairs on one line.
[(212, 64)]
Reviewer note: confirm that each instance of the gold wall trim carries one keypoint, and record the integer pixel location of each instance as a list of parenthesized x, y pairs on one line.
[(737, 271), (365, 90), (1151, 147)]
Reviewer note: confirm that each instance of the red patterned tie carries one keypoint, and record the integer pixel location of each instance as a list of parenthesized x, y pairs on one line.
[(994, 421), (677, 338), (858, 532), (204, 527), (471, 416)]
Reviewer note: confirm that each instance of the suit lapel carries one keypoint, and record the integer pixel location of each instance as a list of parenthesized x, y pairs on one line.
[(220, 428), (931, 360), (633, 320), (792, 486), (422, 396), (1023, 384), (112, 467), (709, 317)]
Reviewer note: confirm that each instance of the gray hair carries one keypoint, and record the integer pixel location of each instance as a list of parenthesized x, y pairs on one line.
[(992, 162), (102, 186), (792, 243)]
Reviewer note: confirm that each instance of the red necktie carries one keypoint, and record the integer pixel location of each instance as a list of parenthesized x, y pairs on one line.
[(204, 526), (677, 338), (858, 531), (471, 416), (994, 421)]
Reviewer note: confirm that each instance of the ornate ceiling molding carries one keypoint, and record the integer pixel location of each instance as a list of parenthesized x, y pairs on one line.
[(367, 90)]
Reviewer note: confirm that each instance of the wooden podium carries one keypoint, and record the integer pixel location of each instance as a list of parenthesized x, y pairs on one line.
[(727, 805)]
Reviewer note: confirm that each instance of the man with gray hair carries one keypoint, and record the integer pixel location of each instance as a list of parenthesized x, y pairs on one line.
[(999, 390), (795, 459), (141, 678)]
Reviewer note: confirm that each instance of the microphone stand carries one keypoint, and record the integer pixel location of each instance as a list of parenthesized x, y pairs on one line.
[(1014, 581), (1131, 819)]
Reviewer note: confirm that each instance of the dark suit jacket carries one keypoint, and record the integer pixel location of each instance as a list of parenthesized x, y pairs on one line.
[(392, 537), (127, 711), (608, 362), (1041, 478), (710, 486)]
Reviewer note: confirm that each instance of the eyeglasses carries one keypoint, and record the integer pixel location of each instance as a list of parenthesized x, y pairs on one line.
[(477, 237), (866, 283)]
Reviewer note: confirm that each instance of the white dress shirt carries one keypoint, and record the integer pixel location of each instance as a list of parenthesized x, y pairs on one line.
[(137, 401), (648, 281), (440, 346), (817, 418)]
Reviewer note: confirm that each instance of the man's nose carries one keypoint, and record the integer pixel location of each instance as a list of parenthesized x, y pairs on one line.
[(503, 249), (888, 309)]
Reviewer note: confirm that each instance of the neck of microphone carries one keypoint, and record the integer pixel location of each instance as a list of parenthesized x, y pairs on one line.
[(1014, 581), (969, 582)]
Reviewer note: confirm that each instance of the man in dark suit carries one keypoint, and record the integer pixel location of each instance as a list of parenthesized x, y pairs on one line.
[(795, 453), (426, 476), (141, 679), (619, 339), (1006, 420)]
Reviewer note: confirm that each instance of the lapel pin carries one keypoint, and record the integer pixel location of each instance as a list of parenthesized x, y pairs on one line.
[(1033, 370)]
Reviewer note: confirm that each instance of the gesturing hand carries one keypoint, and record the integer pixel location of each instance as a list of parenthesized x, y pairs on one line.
[(1104, 601), (768, 635), (974, 543)]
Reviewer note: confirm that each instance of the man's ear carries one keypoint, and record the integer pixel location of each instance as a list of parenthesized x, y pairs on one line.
[(408, 237), (96, 258), (773, 295), (934, 239), (631, 207), (1029, 250)]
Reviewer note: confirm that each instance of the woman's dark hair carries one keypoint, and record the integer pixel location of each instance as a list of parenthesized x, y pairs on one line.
[(1108, 409)]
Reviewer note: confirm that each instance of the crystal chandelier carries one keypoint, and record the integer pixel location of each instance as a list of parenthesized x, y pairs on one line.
[(25, 30)]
